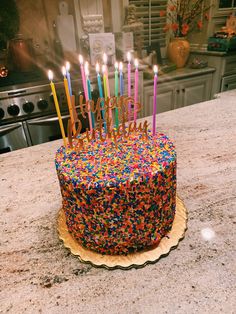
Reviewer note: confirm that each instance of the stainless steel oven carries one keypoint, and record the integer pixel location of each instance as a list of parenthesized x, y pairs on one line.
[(28, 116), (12, 137), (45, 129)]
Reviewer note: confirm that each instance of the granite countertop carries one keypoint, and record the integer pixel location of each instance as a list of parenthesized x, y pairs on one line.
[(38, 275), (178, 74)]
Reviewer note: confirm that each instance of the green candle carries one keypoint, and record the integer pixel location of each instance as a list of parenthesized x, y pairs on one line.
[(116, 94)]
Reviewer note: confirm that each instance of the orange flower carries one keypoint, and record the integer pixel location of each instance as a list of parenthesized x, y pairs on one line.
[(174, 27), (172, 7), (206, 15), (185, 29), (162, 13), (166, 28), (199, 24)]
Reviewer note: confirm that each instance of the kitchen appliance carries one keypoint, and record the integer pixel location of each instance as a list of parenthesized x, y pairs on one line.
[(28, 116)]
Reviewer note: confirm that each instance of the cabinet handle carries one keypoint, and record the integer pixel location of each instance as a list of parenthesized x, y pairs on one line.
[(183, 90), (177, 91)]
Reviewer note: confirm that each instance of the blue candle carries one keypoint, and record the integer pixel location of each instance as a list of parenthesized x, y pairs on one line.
[(101, 94), (89, 94), (68, 77), (121, 79)]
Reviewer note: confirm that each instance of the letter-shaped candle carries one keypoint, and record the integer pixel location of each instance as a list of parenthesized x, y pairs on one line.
[(155, 69), (50, 77), (129, 82), (135, 88), (68, 97)]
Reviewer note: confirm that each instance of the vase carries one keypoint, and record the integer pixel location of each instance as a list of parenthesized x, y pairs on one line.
[(178, 51)]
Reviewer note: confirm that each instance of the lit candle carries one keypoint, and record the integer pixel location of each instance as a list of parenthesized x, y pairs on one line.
[(129, 82), (135, 88), (89, 90), (81, 61), (116, 94), (100, 92), (105, 63), (121, 79), (155, 69), (68, 76), (68, 97), (50, 77), (106, 84)]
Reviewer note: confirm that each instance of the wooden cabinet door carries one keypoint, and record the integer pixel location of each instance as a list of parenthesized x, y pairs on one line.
[(166, 99), (194, 90)]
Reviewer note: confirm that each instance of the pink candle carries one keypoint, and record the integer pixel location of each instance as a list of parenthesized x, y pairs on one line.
[(155, 69), (129, 82), (85, 88), (135, 88)]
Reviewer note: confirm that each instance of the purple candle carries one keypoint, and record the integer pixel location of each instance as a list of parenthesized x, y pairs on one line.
[(155, 69), (81, 61), (135, 88), (129, 82)]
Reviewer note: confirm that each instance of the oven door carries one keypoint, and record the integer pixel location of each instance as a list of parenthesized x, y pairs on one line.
[(45, 129), (12, 137)]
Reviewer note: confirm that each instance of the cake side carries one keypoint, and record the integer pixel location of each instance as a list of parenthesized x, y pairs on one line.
[(119, 200)]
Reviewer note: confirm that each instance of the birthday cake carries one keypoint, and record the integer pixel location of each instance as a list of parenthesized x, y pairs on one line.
[(122, 199)]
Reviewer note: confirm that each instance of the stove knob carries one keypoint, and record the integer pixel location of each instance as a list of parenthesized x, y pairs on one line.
[(2, 113), (13, 110), (28, 107), (42, 104), (52, 99)]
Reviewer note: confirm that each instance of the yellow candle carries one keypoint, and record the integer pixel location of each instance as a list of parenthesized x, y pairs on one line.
[(50, 76), (69, 100)]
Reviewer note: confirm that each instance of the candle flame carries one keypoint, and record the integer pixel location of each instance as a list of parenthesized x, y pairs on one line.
[(128, 56), (104, 58), (103, 68), (50, 75), (155, 69), (116, 65), (97, 67), (86, 68), (67, 66), (63, 71), (121, 66), (136, 63), (81, 60)]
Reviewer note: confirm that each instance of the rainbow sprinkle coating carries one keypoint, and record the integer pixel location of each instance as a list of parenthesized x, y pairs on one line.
[(119, 200)]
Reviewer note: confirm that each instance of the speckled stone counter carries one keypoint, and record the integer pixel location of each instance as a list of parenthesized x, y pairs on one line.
[(38, 275)]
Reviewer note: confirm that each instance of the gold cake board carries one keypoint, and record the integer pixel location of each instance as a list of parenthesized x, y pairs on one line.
[(136, 260)]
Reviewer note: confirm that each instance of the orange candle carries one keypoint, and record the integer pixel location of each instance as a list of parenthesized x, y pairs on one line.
[(68, 97), (50, 76)]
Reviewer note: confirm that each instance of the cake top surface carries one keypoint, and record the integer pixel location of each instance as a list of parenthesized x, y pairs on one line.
[(101, 164)]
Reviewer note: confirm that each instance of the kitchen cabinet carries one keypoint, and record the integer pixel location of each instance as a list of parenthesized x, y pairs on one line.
[(224, 77), (177, 93)]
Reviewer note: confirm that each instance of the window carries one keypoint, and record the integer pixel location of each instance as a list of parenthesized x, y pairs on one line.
[(148, 11), (227, 4)]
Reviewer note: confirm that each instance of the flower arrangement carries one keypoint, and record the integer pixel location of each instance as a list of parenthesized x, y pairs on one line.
[(184, 15)]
